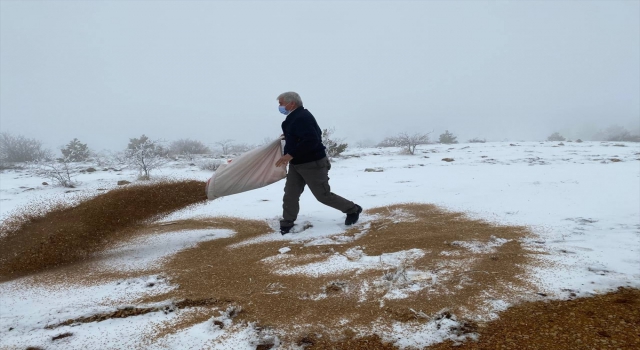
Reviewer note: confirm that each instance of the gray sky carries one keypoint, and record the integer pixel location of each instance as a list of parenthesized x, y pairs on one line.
[(106, 71)]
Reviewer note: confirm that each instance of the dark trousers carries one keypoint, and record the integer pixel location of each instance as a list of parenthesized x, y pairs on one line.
[(316, 176)]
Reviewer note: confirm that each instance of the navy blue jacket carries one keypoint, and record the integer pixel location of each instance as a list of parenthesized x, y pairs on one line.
[(303, 137)]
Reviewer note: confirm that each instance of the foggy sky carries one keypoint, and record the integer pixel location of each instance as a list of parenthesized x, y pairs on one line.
[(107, 71)]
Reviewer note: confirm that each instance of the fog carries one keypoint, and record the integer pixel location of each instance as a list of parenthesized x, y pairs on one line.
[(107, 71)]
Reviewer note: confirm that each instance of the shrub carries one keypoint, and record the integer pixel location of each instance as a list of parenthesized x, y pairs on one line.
[(75, 151), (59, 172), (187, 147), (389, 142), (555, 137), (240, 148), (617, 133), (210, 164), (21, 149), (448, 138), (477, 140), (334, 146), (406, 141)]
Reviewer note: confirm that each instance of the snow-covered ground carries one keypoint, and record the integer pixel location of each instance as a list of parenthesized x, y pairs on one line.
[(581, 199)]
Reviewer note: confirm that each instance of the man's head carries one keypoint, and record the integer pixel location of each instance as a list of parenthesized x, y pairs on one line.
[(290, 101)]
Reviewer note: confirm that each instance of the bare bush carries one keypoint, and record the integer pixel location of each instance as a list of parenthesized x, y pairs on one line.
[(209, 164), (15, 149), (225, 145), (59, 172), (188, 148), (477, 140), (406, 141), (334, 145)]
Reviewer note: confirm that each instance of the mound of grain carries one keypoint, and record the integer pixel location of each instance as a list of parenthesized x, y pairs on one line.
[(34, 239)]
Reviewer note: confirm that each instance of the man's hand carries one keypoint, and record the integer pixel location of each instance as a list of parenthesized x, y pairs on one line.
[(284, 160)]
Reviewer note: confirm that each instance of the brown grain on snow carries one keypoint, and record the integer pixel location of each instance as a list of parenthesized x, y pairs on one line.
[(333, 311)]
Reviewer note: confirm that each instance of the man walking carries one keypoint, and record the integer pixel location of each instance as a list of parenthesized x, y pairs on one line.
[(308, 164)]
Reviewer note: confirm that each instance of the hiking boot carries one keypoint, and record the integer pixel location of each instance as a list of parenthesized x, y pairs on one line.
[(353, 218), (285, 226), (285, 229)]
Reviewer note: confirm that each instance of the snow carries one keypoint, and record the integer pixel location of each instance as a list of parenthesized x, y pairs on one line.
[(340, 263), (144, 252), (584, 207)]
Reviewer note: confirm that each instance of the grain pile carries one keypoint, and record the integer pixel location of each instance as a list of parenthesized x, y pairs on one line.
[(609, 321), (34, 239), (294, 305)]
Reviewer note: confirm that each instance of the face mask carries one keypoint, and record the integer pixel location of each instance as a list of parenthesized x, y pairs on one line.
[(283, 110)]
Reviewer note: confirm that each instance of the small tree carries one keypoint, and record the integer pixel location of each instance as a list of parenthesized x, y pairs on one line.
[(145, 155), (225, 145), (555, 137), (406, 141), (21, 149), (75, 151), (334, 146), (187, 147), (152, 146), (448, 138)]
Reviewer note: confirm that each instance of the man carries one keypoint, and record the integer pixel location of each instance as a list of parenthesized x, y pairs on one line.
[(308, 164)]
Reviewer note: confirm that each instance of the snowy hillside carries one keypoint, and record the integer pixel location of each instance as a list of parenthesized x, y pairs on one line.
[(450, 236)]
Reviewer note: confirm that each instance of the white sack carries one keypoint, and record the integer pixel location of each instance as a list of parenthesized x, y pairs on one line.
[(251, 170)]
